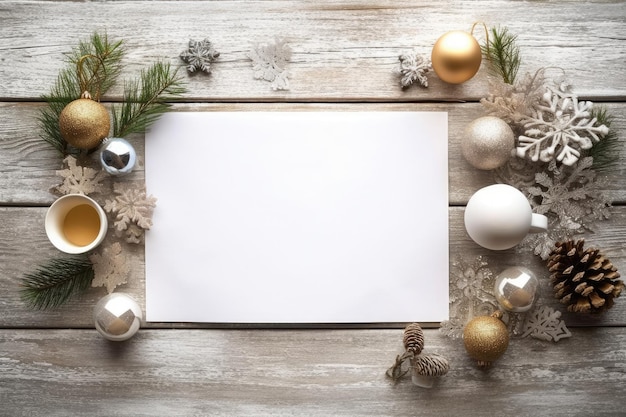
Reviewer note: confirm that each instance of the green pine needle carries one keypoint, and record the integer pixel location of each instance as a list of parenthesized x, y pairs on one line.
[(55, 282), (606, 152), (100, 72), (503, 54), (145, 100), (103, 65)]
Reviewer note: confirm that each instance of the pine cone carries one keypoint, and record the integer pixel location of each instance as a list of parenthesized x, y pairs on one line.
[(585, 280), (413, 338), (431, 365)]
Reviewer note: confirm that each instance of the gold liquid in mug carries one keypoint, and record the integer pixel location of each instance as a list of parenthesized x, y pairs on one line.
[(81, 225)]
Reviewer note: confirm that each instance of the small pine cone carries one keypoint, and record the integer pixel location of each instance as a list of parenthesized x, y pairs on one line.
[(583, 279), (431, 365), (413, 338)]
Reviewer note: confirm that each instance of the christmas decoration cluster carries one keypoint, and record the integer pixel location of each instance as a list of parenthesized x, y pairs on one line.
[(537, 137), (95, 166)]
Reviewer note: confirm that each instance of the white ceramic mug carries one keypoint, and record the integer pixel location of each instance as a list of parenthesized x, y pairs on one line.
[(499, 217), (75, 223)]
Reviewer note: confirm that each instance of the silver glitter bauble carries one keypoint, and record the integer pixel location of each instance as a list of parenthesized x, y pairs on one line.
[(117, 156), (515, 289), (117, 316), (487, 142)]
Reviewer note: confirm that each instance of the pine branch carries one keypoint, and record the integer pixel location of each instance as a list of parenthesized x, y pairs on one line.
[(102, 66), (100, 72), (56, 282), (503, 54), (145, 100), (606, 152)]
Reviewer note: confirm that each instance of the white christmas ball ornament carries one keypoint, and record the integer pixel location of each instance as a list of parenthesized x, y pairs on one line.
[(117, 317), (487, 142)]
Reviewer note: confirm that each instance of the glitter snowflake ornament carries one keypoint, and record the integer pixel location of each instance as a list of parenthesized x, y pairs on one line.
[(199, 56), (78, 179), (110, 267), (545, 323), (471, 294), (269, 62), (559, 127), (132, 209), (413, 69), (571, 197)]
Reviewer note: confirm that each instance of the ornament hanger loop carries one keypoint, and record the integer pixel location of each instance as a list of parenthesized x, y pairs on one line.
[(86, 76), (486, 33)]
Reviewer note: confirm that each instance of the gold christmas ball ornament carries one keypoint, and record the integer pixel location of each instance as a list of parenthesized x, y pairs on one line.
[(487, 142), (456, 57), (486, 338), (84, 123)]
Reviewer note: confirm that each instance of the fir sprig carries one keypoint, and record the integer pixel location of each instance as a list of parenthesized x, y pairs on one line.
[(56, 281), (606, 152), (100, 66), (145, 100), (98, 62), (503, 54)]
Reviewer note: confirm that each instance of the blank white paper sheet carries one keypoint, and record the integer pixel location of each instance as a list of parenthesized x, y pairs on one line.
[(298, 217)]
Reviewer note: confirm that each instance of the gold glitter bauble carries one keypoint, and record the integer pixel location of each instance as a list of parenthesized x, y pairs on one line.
[(486, 338), (84, 123), (456, 57), (487, 142)]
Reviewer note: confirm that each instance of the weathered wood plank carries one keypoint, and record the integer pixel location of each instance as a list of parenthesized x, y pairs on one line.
[(342, 50), (24, 246), (312, 373), (28, 165)]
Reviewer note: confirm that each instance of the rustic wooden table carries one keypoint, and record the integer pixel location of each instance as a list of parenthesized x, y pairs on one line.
[(54, 363)]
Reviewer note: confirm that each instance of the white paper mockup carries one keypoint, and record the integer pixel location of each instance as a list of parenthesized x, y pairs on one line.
[(298, 217)]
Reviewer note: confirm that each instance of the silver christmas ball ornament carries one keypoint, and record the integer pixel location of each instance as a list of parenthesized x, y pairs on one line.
[(515, 289), (117, 317), (487, 142), (117, 156)]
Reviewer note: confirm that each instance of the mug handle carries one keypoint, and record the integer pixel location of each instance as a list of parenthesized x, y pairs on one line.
[(538, 223)]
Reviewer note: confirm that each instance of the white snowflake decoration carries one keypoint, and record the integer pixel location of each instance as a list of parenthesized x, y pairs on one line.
[(110, 267), (269, 63), (413, 68), (559, 127), (545, 323), (78, 179), (132, 209)]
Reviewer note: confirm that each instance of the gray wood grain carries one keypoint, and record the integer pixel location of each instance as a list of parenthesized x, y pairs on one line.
[(342, 50), (53, 363), (304, 372)]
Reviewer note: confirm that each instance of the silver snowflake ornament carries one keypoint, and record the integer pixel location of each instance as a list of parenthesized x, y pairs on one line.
[(413, 68), (199, 56)]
